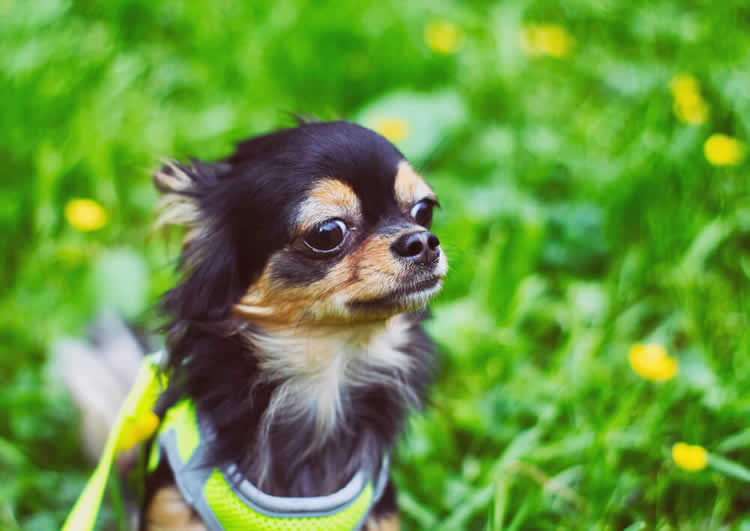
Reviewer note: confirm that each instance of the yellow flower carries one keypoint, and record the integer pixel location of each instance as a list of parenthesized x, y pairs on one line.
[(546, 39), (652, 362), (689, 457), (723, 150), (393, 128), (692, 113), (683, 83), (689, 105), (137, 429), (442, 37), (85, 214)]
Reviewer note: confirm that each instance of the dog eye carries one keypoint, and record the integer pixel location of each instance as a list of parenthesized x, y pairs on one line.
[(326, 237), (422, 213)]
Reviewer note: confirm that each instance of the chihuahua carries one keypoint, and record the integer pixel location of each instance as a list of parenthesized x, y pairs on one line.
[(295, 329)]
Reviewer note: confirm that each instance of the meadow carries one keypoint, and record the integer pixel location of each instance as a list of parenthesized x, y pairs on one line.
[(591, 161)]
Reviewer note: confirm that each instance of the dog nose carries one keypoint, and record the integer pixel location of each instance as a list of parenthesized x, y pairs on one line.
[(421, 247)]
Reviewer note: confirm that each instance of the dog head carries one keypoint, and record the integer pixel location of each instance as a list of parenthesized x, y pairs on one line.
[(322, 223)]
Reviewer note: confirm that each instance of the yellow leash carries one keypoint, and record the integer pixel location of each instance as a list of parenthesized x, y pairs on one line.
[(135, 423)]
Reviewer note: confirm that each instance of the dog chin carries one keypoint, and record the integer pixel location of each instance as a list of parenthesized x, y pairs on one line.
[(411, 296)]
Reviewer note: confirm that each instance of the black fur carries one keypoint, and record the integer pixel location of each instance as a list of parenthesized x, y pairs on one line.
[(301, 270), (387, 505), (247, 202)]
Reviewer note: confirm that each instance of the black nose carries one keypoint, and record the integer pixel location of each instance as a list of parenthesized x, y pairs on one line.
[(422, 247)]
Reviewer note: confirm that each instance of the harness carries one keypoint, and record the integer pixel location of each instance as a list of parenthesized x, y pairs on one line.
[(224, 499)]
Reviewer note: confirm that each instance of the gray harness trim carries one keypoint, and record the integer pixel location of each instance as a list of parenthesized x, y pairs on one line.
[(191, 476), (291, 506)]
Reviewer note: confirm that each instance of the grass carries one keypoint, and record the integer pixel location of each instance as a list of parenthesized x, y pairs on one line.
[(581, 216)]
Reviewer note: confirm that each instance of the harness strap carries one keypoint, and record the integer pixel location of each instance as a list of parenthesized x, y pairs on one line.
[(226, 501), (135, 422)]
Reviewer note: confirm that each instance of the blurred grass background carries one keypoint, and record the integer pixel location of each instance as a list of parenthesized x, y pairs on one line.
[(589, 156)]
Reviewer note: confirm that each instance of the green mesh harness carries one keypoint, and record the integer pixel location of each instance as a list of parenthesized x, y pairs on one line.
[(221, 496), (226, 501)]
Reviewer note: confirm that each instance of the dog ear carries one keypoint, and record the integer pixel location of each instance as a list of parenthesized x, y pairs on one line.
[(177, 206), (208, 259), (181, 187)]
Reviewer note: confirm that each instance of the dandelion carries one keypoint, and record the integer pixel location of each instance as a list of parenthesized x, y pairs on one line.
[(683, 83), (689, 457), (689, 105), (85, 214), (442, 37), (652, 362), (723, 150), (393, 128), (546, 39)]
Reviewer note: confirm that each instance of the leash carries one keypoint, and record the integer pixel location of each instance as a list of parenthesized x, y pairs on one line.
[(135, 423)]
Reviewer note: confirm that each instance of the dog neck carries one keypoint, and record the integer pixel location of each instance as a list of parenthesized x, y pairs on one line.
[(299, 410), (317, 368), (333, 391)]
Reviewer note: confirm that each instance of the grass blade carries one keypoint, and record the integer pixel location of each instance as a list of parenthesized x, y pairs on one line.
[(729, 468)]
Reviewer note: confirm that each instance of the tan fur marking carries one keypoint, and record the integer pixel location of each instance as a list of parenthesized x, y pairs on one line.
[(329, 198), (389, 523), (371, 271), (169, 512), (410, 187)]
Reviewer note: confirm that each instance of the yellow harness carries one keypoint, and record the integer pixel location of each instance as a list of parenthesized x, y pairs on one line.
[(223, 499)]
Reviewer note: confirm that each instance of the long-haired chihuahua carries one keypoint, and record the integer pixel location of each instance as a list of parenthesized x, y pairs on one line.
[(295, 329)]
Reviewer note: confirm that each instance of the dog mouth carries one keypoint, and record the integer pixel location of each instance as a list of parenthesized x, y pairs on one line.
[(408, 297)]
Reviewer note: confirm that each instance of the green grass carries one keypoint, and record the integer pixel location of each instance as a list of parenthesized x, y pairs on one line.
[(580, 217)]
